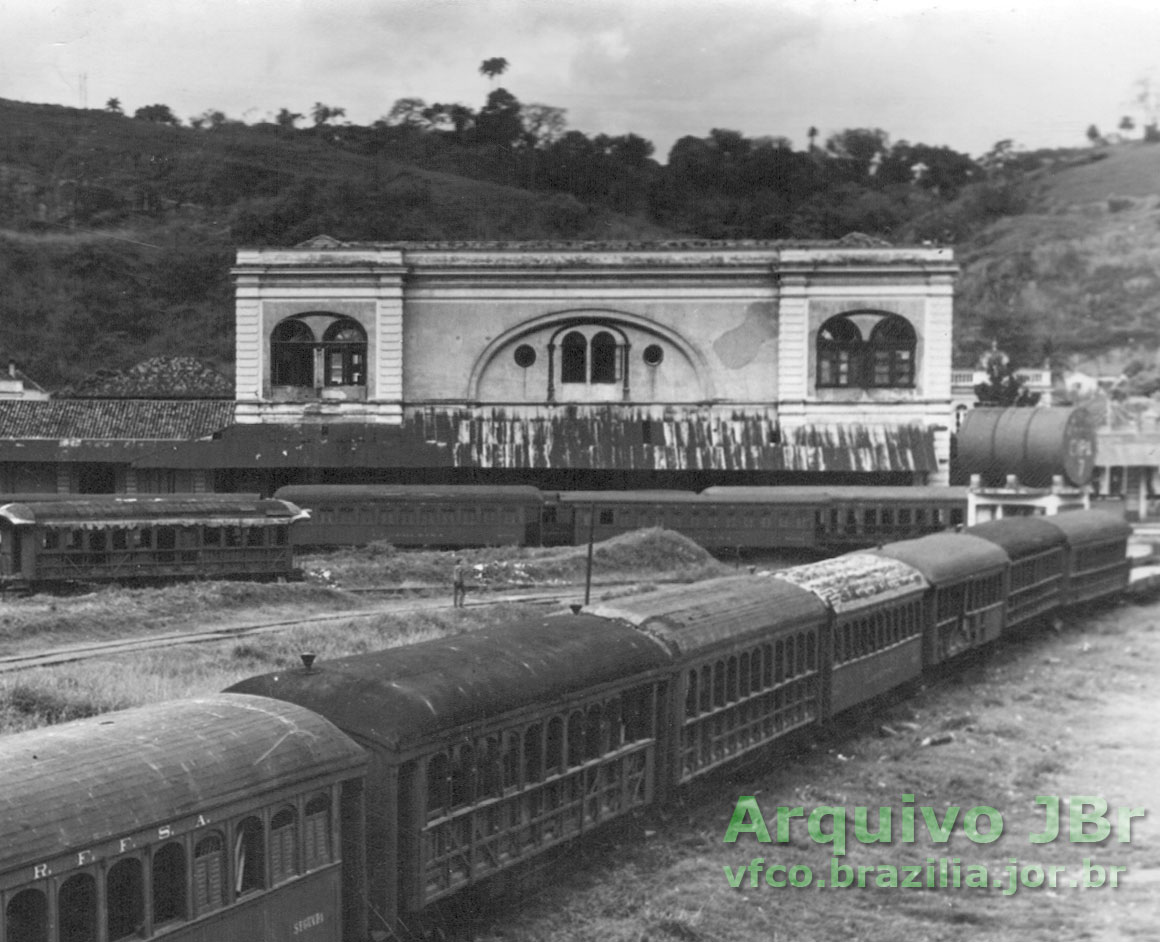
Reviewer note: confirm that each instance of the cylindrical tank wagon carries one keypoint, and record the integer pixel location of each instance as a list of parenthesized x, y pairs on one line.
[(1035, 445)]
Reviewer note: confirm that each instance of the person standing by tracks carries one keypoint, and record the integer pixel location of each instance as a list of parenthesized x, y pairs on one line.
[(459, 585)]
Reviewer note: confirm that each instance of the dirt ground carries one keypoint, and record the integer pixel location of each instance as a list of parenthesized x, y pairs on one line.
[(1063, 713)]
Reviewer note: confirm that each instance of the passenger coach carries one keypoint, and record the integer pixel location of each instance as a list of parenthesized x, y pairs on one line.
[(416, 515), (201, 820), (102, 539)]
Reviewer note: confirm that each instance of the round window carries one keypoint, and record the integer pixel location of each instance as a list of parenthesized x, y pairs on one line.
[(525, 356), (653, 354)]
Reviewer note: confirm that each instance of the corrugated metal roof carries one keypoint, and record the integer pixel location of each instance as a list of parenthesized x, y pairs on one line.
[(947, 557), (856, 580), (694, 617), (410, 693), (75, 785), (570, 437), (69, 422), (1020, 536), (824, 494)]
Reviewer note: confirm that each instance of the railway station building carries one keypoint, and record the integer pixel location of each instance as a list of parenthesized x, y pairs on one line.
[(574, 365), (578, 365)]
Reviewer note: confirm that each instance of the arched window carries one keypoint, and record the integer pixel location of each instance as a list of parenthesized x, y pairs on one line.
[(292, 354), (209, 880), (249, 856), (26, 918), (345, 345), (604, 358), (317, 831), (867, 350), (573, 358), (839, 353), (77, 909), (892, 344), (283, 845), (125, 896), (169, 883)]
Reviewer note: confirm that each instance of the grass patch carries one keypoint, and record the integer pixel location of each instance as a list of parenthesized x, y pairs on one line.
[(654, 553)]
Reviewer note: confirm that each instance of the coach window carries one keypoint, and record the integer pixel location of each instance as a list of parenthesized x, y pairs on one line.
[(169, 883), (283, 845), (26, 918), (77, 909), (533, 753), (317, 831), (249, 857), (125, 898), (209, 879)]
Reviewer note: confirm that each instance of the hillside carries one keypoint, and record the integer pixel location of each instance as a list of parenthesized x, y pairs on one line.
[(1073, 279), (117, 233)]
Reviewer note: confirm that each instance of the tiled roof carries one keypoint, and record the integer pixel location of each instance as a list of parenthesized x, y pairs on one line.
[(118, 419), (157, 378)]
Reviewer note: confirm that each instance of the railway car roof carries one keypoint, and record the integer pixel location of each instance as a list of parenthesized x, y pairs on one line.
[(413, 692), (703, 615), (94, 513), (306, 493), (1020, 536), (81, 783), (627, 497), (1089, 526), (856, 580), (947, 557), (823, 492)]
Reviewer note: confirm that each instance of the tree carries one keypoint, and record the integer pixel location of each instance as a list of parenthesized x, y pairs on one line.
[(211, 119), (159, 114), (1093, 135), (287, 118), (114, 105), (1127, 123), (493, 67), (409, 112), (322, 114), (1003, 387), (498, 122), (542, 124)]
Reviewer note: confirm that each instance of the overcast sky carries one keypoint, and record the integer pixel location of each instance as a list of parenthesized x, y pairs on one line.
[(964, 73)]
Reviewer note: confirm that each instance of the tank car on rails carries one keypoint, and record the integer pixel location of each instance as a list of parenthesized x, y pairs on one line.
[(134, 539), (447, 764)]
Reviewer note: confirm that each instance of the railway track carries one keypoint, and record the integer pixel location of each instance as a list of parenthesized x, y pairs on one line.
[(80, 652)]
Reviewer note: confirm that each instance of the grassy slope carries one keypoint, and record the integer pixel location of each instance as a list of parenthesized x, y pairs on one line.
[(1078, 274)]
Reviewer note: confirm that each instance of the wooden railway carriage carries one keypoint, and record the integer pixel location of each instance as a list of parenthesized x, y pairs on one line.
[(417, 515), (205, 820), (875, 632), (1098, 563), (1038, 553), (750, 664), (837, 517), (569, 514), (100, 539), (489, 748), (968, 589)]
